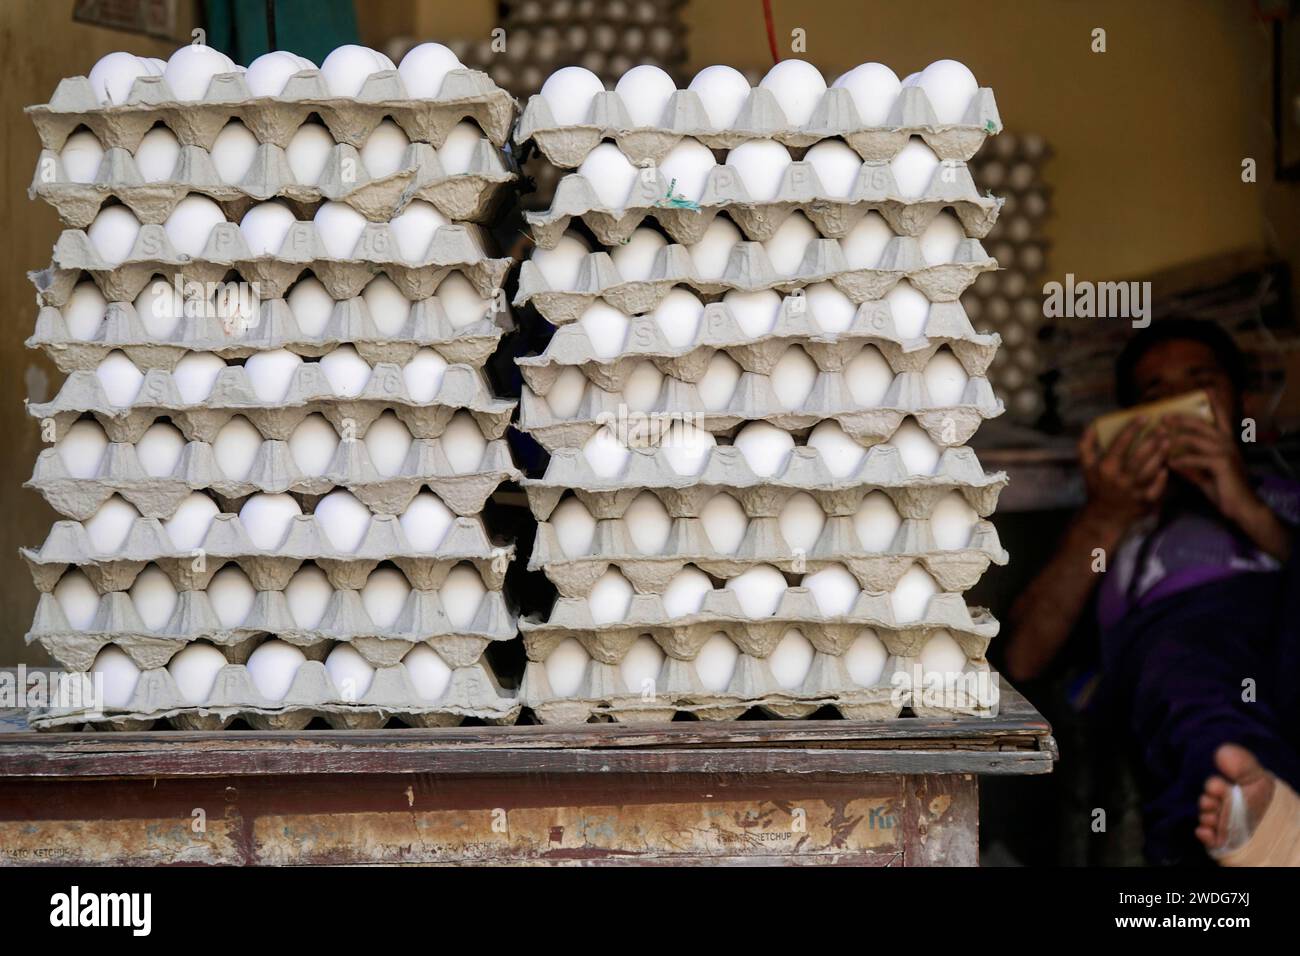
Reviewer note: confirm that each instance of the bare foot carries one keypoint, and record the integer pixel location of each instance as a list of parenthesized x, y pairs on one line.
[(1239, 766)]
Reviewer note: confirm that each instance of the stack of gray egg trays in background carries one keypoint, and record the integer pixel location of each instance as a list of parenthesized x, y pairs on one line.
[(740, 512), (275, 437)]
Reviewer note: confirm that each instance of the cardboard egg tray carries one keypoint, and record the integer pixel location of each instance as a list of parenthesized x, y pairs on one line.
[(453, 248), (68, 545), (465, 94), (832, 216), (309, 392), (474, 691), (761, 117), (273, 328), (726, 470), (755, 400), (604, 694), (273, 471), (954, 570), (749, 269), (422, 621), (470, 196)]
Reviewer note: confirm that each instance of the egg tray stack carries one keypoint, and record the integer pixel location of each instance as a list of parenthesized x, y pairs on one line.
[(473, 689), (603, 694)]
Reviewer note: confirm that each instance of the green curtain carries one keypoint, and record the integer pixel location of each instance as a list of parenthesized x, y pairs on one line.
[(310, 28)]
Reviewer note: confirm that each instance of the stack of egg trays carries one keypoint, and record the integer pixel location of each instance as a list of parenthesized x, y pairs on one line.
[(474, 690), (604, 694)]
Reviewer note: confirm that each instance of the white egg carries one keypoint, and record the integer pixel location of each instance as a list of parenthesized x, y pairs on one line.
[(311, 306), (384, 151), (456, 154), (877, 522), (232, 595), (641, 665), (723, 91), (233, 152), (189, 523), (952, 521), (384, 595), (560, 266), (81, 156), (678, 316), (837, 167), (195, 375), (610, 597), (119, 675), (191, 68), (874, 88), (761, 165), (267, 518), (941, 239), (84, 311), (461, 301), (687, 448), (308, 153), (339, 227), (308, 595), (945, 379), (801, 521), (942, 654), (113, 75), (566, 665), (426, 521), (642, 388), (913, 167), (686, 169), (272, 666), (869, 377), (755, 312), (271, 373), (154, 597), (113, 232), (388, 442), (918, 451), (865, 658), (950, 87), (345, 370), (791, 659), (343, 519), (565, 395), (387, 306), (157, 66), (910, 309), (157, 154), (575, 527), (648, 523), (191, 222), (428, 671), (865, 244), (841, 454), (765, 448), (312, 445), (423, 374), (424, 68), (569, 92), (82, 448), (716, 662), (718, 383), (611, 175), (160, 308), (415, 227), (350, 673), (268, 74), (645, 91), (462, 593), (910, 79), (635, 259), (711, 253), (195, 671), (235, 448), (724, 522), (120, 378), (789, 243), (78, 599), (834, 589), (463, 443), (793, 378), (347, 68), (606, 328), (759, 590), (911, 595), (265, 226), (606, 455), (798, 87)]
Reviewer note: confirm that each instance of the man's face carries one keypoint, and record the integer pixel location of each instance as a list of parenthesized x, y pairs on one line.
[(1179, 366)]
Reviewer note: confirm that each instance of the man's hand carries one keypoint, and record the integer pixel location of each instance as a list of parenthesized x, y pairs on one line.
[(1128, 479)]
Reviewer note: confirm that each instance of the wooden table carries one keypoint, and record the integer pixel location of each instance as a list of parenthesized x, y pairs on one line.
[(839, 792)]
